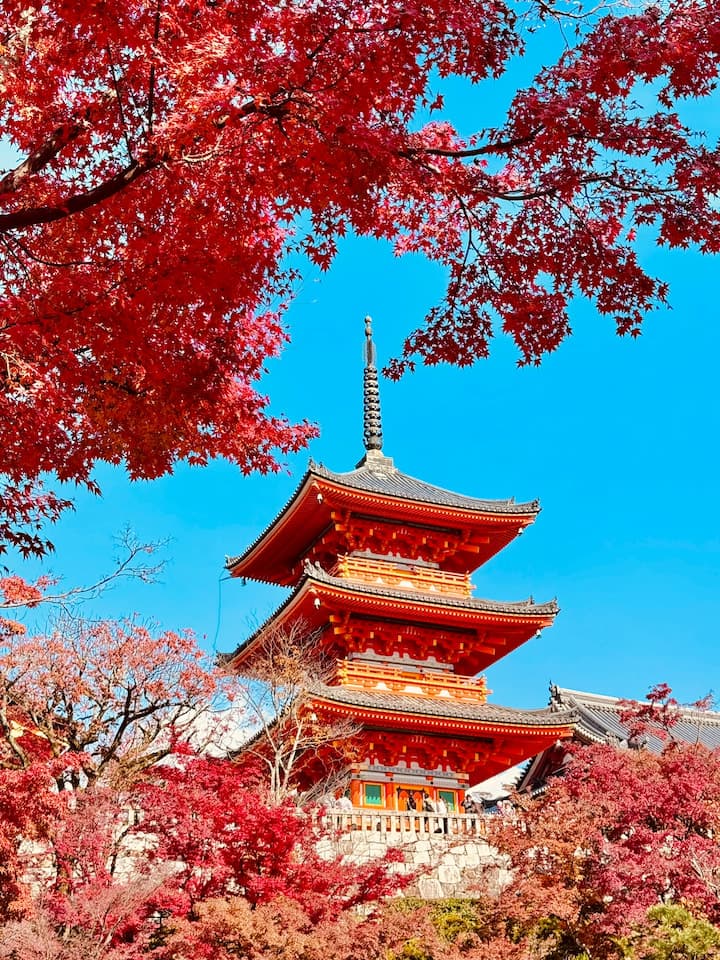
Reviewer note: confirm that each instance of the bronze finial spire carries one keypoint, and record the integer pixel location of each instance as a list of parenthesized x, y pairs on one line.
[(372, 422), (374, 460)]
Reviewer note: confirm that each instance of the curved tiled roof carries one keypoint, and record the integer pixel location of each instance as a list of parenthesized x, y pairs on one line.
[(404, 703), (598, 720), (379, 475), (314, 573), (231, 561), (512, 607), (376, 476)]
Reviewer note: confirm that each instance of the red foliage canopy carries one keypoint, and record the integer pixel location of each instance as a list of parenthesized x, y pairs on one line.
[(229, 837), (171, 153), (100, 867), (622, 831), (113, 694), (109, 818)]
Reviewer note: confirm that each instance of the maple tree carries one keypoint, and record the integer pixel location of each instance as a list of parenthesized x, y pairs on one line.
[(167, 157), (622, 832), (111, 822), (113, 694), (231, 927), (111, 870), (207, 812)]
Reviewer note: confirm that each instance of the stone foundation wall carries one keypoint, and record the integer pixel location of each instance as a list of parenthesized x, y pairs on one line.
[(442, 866)]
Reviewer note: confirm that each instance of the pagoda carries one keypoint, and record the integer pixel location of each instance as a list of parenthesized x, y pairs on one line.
[(379, 564)]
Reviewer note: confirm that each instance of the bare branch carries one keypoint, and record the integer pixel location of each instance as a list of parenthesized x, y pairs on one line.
[(130, 564), (277, 693)]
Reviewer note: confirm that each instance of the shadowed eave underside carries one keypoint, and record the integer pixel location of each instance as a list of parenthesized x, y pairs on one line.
[(394, 495), (316, 581)]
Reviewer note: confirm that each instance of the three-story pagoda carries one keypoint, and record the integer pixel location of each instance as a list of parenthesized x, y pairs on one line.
[(379, 564)]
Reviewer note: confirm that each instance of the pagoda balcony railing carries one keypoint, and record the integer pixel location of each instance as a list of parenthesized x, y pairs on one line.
[(442, 685), (410, 825), (407, 577)]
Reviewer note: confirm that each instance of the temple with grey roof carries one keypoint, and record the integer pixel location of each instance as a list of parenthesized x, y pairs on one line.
[(605, 719), (379, 564)]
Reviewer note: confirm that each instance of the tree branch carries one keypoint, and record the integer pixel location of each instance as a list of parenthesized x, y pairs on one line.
[(60, 138), (32, 216), (125, 566), (502, 146), (151, 78)]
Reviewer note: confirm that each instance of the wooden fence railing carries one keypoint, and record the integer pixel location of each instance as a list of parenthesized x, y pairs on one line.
[(401, 822)]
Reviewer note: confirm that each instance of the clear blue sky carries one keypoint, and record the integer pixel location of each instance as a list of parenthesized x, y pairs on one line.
[(617, 438)]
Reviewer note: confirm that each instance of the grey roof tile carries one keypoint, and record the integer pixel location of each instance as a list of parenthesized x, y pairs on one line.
[(380, 476), (384, 478), (314, 572), (403, 703), (599, 720), (517, 607)]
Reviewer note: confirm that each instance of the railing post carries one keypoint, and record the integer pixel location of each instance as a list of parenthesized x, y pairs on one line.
[(418, 823)]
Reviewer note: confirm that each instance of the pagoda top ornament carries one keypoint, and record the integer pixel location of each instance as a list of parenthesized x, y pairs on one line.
[(374, 459), (327, 516), (372, 420)]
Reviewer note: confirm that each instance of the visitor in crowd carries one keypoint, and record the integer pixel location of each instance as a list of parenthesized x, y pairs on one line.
[(505, 807), (441, 807), (427, 807), (471, 808)]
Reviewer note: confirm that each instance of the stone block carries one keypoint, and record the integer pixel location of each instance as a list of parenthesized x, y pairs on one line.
[(422, 857), (448, 873), (376, 850), (429, 888), (471, 857)]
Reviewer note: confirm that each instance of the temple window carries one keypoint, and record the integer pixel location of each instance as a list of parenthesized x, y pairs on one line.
[(373, 795), (450, 798)]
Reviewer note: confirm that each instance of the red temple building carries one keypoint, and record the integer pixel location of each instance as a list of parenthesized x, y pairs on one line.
[(379, 564)]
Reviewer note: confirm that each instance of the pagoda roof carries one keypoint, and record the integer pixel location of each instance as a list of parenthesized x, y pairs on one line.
[(512, 607), (598, 720), (379, 475), (495, 737), (374, 488), (489, 713), (307, 602)]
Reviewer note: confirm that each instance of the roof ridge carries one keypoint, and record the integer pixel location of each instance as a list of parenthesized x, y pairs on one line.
[(374, 469), (316, 572), (600, 700), (452, 708)]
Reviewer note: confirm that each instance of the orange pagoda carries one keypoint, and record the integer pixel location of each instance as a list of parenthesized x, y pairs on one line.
[(379, 564)]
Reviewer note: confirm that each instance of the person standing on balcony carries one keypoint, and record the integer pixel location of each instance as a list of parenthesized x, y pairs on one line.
[(441, 808)]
